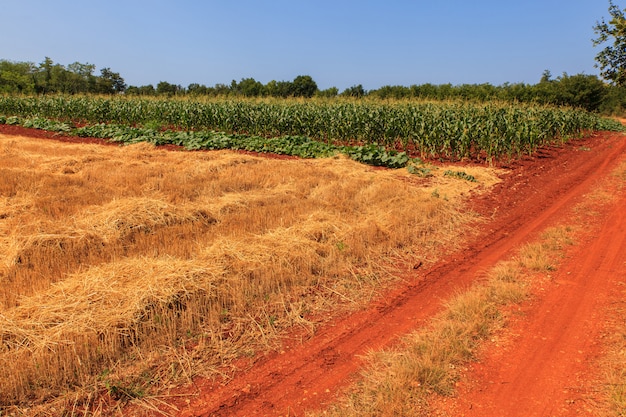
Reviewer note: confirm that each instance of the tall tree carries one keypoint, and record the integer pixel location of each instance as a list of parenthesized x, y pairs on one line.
[(16, 77), (168, 89), (43, 81), (612, 59), (354, 91), (304, 86), (110, 82), (249, 87), (80, 78)]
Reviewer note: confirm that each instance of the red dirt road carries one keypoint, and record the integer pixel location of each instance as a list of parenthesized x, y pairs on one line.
[(542, 370), (548, 365)]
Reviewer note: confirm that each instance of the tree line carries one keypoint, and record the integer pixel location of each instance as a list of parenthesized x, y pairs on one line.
[(49, 77), (580, 90)]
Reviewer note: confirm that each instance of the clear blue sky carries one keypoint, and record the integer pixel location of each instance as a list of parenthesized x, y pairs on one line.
[(337, 42)]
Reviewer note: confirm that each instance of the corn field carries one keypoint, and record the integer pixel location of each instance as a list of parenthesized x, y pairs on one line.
[(451, 130)]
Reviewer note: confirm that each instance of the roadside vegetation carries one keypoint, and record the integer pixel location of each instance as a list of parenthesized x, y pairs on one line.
[(613, 362)]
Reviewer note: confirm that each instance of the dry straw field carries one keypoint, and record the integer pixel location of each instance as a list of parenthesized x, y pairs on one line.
[(126, 270)]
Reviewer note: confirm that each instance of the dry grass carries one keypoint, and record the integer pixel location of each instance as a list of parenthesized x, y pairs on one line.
[(399, 381), (613, 362), (127, 270)]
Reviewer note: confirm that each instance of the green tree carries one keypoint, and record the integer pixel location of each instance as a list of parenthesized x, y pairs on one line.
[(304, 86), (110, 82), (221, 89), (585, 91), (354, 91), (80, 78), (279, 88), (614, 101), (612, 59), (248, 87), (328, 93), (17, 77), (196, 89), (46, 77), (165, 88), (546, 76), (144, 90), (391, 92)]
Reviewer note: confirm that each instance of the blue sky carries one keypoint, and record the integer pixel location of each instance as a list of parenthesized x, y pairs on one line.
[(339, 43)]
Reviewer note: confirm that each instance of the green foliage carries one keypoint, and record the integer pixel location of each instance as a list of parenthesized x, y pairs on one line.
[(377, 155), (614, 102), (612, 59), (11, 120), (167, 89), (48, 77), (460, 175), (47, 124), (16, 77), (144, 90), (416, 167), (284, 145), (301, 86), (110, 82), (304, 86), (299, 146), (609, 125), (328, 93), (247, 87), (356, 91), (584, 91)]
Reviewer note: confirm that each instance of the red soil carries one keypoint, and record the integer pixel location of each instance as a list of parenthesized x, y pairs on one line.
[(43, 134), (543, 369)]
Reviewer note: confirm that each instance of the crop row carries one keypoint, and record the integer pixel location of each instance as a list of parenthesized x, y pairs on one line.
[(448, 130), (301, 146)]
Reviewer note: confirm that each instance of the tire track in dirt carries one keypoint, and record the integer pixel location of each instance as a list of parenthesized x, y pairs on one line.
[(309, 374), (548, 368)]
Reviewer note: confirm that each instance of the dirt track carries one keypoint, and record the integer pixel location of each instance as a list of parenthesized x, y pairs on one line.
[(547, 364), (544, 368)]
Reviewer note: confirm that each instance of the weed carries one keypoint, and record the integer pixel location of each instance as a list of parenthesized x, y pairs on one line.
[(459, 174), (420, 171)]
